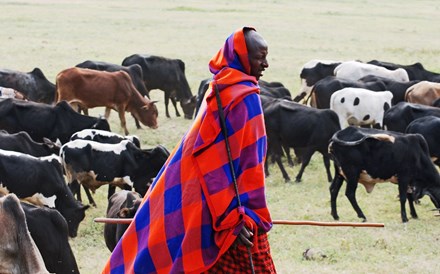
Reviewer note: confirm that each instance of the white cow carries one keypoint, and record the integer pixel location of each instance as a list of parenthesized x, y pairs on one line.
[(354, 71), (358, 106)]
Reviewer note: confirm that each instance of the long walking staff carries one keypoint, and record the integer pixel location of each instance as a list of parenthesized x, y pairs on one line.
[(231, 165)]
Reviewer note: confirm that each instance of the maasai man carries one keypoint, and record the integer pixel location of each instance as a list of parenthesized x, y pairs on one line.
[(189, 220)]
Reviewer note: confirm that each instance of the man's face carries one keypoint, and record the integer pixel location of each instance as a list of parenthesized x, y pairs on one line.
[(257, 49)]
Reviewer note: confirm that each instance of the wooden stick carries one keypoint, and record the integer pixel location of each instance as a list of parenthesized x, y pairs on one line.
[(276, 222)]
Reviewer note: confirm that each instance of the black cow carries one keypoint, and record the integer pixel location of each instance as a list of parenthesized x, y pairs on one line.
[(429, 128), (135, 72), (34, 85), (397, 88), (168, 75), (49, 231), (371, 156), (324, 88), (26, 175), (100, 136), (300, 127), (40, 120), (95, 164), (22, 142), (399, 116), (415, 71), (122, 204), (311, 73)]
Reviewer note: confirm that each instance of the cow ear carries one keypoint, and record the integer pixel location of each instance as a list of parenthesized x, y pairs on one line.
[(123, 213), (84, 208)]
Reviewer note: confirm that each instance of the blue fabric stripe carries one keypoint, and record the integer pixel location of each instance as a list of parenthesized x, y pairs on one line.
[(173, 199), (144, 262)]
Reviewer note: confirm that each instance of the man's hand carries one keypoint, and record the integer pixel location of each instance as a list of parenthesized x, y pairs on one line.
[(245, 237)]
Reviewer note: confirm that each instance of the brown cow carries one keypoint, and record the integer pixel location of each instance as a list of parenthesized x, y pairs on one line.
[(85, 88), (18, 252), (424, 93)]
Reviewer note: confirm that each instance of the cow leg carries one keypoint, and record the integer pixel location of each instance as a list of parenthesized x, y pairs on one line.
[(305, 160), (121, 113), (89, 196), (111, 191), (326, 160), (107, 113), (174, 102), (403, 188), (266, 167), (334, 191), (350, 192), (412, 209), (75, 188), (167, 101), (283, 171), (136, 121)]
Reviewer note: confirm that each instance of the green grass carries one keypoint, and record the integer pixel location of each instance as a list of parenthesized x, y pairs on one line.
[(55, 35)]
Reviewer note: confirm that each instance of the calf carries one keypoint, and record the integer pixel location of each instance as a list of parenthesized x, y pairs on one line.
[(415, 71), (100, 136), (424, 93), (123, 164), (168, 75), (34, 85), (26, 175), (358, 106), (18, 252), (49, 231), (303, 128), (371, 156), (398, 117), (353, 70), (87, 88), (41, 121), (429, 128), (22, 142), (122, 204)]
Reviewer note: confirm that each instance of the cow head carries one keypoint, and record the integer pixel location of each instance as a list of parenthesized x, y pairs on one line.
[(189, 106), (147, 114)]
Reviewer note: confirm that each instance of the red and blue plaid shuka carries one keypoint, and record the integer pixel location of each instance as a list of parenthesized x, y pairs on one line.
[(190, 216)]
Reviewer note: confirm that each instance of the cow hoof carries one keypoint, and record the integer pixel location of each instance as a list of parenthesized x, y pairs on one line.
[(297, 180), (287, 180), (336, 217)]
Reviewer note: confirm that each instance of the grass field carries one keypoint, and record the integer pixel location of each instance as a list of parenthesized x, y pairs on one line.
[(57, 34)]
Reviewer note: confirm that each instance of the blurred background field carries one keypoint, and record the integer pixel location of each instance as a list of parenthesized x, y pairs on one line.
[(54, 35)]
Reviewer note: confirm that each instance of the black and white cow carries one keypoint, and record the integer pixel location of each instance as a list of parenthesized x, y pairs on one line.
[(168, 75), (311, 72), (324, 88), (41, 120), (26, 175), (123, 164), (354, 70), (370, 156), (306, 129), (100, 136), (34, 85), (50, 233), (360, 107), (18, 251), (429, 128), (415, 71), (122, 204), (398, 117)]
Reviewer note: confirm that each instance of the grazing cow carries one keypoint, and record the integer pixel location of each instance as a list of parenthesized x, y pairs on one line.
[(122, 204), (18, 252), (167, 75), (22, 142), (312, 72), (100, 136), (135, 72), (415, 71), (353, 70), (370, 156), (289, 124), (42, 120), (49, 231), (95, 164), (424, 93), (324, 88), (360, 107), (397, 88), (26, 175), (398, 117), (34, 85), (113, 90), (429, 128)]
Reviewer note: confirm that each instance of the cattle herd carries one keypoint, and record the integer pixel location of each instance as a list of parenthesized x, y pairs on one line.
[(376, 122)]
